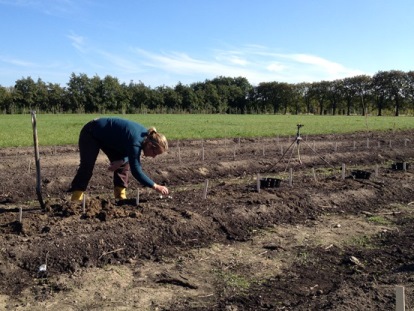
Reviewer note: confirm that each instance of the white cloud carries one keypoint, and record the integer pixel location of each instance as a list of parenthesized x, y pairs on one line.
[(179, 63), (49, 7), (256, 63), (16, 62), (79, 42), (276, 67)]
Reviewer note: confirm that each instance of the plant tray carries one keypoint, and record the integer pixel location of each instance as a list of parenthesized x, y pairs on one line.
[(270, 182), (360, 174), (399, 166)]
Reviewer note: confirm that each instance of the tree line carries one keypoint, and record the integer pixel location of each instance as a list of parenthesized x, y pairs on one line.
[(386, 92)]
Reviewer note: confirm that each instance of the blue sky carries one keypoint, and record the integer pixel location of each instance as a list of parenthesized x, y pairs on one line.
[(164, 42)]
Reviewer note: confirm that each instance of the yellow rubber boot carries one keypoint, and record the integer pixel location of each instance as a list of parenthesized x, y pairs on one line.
[(77, 196), (120, 193)]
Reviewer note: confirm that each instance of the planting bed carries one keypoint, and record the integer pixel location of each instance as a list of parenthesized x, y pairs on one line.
[(320, 240)]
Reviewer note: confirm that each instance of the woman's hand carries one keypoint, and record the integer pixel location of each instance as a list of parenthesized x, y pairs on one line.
[(161, 189)]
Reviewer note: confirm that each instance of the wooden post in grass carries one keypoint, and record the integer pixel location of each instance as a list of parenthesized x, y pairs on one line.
[(258, 183), (179, 155), (290, 177), (37, 158), (400, 298)]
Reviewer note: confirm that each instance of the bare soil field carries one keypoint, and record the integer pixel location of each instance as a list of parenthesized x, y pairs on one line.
[(324, 239)]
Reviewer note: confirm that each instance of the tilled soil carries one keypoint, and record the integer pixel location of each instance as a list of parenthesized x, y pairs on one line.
[(323, 239)]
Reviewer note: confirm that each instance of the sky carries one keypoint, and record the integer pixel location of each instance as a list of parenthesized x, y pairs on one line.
[(166, 42)]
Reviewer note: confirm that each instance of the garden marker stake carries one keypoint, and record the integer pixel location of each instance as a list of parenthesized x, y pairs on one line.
[(137, 198), (205, 189), (37, 159), (20, 214)]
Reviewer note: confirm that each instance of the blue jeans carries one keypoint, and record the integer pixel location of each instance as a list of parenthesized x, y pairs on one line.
[(89, 148)]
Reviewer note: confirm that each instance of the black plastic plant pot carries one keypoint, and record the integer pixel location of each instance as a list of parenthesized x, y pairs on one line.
[(269, 183), (399, 166), (360, 174)]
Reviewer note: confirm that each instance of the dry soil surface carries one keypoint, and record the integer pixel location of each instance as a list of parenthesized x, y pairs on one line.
[(323, 239)]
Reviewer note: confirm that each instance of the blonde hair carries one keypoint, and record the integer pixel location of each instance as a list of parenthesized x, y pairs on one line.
[(157, 139)]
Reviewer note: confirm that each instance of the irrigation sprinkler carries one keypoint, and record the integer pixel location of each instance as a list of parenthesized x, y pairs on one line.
[(37, 159), (296, 142)]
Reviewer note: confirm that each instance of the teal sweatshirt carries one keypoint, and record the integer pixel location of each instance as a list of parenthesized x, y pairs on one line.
[(125, 137)]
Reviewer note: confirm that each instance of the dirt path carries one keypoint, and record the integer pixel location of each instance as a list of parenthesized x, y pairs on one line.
[(323, 240)]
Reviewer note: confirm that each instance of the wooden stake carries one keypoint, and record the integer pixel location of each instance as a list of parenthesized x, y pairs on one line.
[(258, 183), (37, 158), (20, 214), (290, 177)]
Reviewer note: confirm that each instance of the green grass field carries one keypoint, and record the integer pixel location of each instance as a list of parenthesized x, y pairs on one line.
[(63, 129)]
